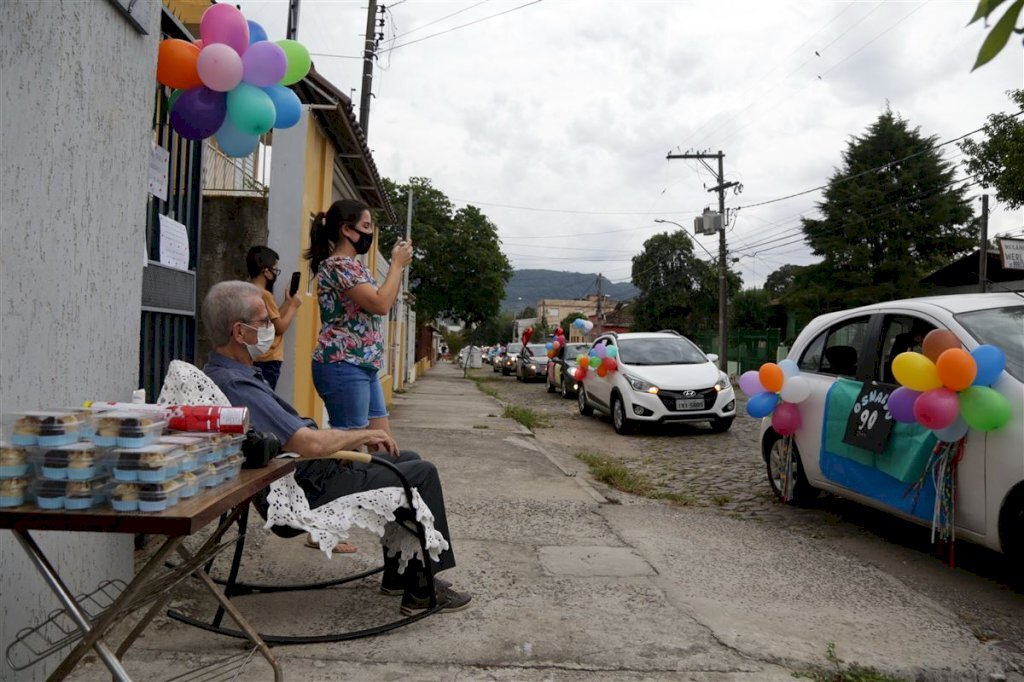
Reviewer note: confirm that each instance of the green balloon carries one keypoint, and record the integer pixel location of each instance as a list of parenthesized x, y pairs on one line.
[(984, 408), (172, 99), (251, 110), (298, 61)]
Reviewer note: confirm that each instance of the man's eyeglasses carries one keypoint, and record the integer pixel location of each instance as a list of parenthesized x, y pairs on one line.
[(258, 324)]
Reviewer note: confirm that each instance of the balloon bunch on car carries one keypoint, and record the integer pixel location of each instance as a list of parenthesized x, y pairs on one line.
[(776, 389), (583, 324), (601, 361), (232, 82), (554, 346), (946, 389)]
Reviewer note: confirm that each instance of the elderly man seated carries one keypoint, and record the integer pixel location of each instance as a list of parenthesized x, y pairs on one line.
[(236, 321)]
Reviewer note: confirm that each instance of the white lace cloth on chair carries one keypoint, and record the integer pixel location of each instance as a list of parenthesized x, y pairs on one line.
[(373, 510)]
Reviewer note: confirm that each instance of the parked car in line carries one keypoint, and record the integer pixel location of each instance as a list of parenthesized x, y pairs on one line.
[(508, 364), (492, 352), (532, 362), (561, 375), (839, 352), (661, 377)]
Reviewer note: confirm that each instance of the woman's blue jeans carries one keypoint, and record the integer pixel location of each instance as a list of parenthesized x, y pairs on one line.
[(352, 395)]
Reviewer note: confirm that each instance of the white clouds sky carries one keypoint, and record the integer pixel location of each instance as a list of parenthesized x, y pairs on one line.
[(573, 105)]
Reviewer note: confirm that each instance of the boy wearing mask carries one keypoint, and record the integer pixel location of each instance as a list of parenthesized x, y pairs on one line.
[(262, 265)]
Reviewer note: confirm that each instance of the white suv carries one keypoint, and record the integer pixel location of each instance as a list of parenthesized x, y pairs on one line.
[(661, 377)]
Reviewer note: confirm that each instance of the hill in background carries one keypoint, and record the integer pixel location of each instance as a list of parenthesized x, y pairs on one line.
[(529, 286)]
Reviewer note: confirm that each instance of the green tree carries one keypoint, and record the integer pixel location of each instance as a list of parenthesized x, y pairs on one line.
[(752, 310), (459, 271), (781, 282), (1001, 31), (999, 159), (677, 289), (527, 312), (890, 215)]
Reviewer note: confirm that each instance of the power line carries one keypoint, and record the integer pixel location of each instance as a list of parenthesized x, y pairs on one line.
[(571, 211), (455, 28), (447, 16)]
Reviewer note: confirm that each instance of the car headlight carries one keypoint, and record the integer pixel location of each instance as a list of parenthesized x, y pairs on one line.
[(640, 385), (723, 382), (533, 368)]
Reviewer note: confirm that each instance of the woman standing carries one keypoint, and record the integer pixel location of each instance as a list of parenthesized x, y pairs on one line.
[(350, 348), (261, 262)]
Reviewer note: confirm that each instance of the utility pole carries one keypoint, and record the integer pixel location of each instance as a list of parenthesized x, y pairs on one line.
[(369, 54), (723, 330), (600, 316), (403, 298), (983, 256), (293, 20)]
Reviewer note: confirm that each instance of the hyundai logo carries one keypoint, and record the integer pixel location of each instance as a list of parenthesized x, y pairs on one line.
[(689, 394)]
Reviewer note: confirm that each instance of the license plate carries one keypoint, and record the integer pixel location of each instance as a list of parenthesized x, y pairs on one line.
[(690, 404)]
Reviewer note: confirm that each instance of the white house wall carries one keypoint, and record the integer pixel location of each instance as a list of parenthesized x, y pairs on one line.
[(77, 109)]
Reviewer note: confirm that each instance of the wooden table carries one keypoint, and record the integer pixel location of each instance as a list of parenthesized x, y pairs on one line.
[(147, 587)]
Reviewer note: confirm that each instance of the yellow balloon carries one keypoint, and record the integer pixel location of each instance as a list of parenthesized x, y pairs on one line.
[(916, 372)]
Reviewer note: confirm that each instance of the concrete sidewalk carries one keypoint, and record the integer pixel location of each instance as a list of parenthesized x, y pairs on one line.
[(567, 586)]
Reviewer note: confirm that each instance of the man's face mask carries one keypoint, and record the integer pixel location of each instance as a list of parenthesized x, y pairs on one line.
[(264, 340)]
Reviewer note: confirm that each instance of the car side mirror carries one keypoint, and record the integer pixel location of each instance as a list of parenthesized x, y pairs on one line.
[(713, 357)]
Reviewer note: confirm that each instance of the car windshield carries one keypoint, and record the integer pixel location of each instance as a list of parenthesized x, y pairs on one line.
[(674, 350), (1001, 327), (537, 349), (513, 348), (574, 350)]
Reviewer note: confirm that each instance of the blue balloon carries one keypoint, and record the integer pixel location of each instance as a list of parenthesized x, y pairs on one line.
[(762, 404), (789, 368), (234, 142), (287, 104), (953, 432), (256, 32), (991, 361)]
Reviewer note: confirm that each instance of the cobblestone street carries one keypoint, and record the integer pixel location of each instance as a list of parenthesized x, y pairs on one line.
[(725, 474)]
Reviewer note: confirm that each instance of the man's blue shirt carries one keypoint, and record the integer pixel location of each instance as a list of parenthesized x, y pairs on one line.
[(244, 385)]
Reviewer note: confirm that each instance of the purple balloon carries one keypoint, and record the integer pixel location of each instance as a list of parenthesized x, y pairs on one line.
[(901, 404), (750, 383), (198, 113), (264, 64)]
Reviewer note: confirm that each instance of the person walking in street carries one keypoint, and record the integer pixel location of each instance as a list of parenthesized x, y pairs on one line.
[(261, 262), (350, 348)]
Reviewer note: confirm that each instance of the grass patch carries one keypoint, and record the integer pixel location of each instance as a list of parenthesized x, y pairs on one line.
[(841, 672), (525, 416), (721, 499), (678, 499), (614, 474), (481, 384), (481, 426)]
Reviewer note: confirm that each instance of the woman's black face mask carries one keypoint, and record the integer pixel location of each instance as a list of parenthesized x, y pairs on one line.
[(362, 244)]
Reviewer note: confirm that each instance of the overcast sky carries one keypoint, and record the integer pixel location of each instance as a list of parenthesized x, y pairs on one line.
[(555, 117)]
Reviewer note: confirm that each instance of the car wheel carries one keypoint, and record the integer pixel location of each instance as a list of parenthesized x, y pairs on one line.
[(721, 425), (581, 401), (1011, 528), (623, 424), (564, 389), (801, 491)]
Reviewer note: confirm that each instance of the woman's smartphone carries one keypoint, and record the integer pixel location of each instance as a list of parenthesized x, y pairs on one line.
[(293, 287)]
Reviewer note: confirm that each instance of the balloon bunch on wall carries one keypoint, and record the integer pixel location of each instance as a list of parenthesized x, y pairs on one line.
[(232, 81), (946, 389), (776, 389), (554, 346), (602, 360), (584, 325)]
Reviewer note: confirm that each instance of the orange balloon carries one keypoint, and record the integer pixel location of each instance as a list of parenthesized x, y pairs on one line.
[(771, 377), (176, 64), (602, 371), (956, 368), (937, 341)]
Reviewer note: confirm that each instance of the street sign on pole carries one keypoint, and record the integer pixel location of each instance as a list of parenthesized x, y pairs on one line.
[(1012, 253)]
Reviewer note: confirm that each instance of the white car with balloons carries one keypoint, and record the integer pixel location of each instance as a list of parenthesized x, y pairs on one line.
[(915, 407), (653, 377)]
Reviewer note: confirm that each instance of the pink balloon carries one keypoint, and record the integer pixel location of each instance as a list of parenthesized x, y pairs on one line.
[(224, 23), (786, 419), (936, 409), (219, 67), (264, 64)]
